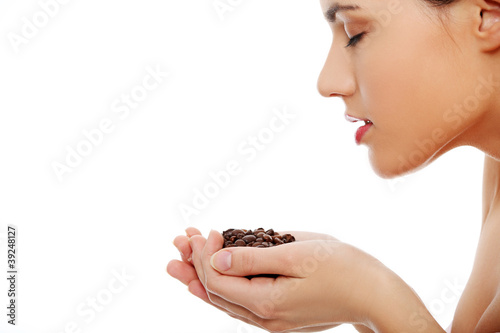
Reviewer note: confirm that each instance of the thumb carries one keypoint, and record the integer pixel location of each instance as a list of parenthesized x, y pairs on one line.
[(246, 261)]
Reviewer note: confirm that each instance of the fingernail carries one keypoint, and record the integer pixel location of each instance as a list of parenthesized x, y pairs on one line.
[(221, 261)]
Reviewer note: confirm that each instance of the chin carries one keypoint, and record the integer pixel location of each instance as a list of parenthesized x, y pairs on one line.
[(389, 166)]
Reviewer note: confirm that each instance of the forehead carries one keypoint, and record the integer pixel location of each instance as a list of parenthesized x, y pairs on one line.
[(387, 8), (369, 5)]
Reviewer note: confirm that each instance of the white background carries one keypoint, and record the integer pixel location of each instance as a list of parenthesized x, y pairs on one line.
[(119, 209)]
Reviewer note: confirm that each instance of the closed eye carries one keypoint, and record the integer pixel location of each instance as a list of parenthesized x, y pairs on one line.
[(355, 40)]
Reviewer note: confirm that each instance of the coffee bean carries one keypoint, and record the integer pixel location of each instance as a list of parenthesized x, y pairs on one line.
[(240, 242), (249, 238), (255, 238)]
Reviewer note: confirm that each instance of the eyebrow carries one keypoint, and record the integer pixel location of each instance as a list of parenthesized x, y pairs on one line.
[(331, 14)]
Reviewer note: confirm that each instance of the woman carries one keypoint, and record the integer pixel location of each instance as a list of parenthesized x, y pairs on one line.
[(422, 77)]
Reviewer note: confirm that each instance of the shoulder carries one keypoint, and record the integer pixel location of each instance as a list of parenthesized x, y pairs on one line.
[(479, 307)]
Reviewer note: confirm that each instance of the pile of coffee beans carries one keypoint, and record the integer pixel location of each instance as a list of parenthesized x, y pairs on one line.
[(255, 238)]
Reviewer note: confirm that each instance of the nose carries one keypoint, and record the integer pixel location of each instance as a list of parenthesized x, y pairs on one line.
[(336, 78)]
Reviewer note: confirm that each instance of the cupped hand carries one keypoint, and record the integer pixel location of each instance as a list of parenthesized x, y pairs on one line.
[(318, 286), (185, 272)]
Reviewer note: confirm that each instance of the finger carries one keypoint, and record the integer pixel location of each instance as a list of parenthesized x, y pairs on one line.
[(306, 235), (214, 243), (243, 319), (238, 312), (190, 232), (186, 273), (182, 244), (197, 244), (182, 271), (362, 329), (196, 288), (247, 261), (233, 293)]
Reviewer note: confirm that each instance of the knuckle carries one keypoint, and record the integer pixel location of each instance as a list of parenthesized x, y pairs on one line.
[(247, 262), (266, 310)]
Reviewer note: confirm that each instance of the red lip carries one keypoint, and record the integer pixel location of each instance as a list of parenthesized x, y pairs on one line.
[(360, 133)]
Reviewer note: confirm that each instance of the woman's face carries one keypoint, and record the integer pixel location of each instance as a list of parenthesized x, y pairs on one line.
[(419, 91)]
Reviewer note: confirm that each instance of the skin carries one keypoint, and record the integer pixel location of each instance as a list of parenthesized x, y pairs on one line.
[(419, 75)]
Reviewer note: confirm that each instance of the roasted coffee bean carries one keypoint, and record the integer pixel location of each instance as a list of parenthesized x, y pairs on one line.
[(240, 242), (255, 238), (249, 238)]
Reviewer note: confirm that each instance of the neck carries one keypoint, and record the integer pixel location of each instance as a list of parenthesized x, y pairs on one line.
[(487, 133)]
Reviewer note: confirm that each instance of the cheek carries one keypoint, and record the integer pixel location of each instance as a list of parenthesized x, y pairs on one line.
[(407, 95)]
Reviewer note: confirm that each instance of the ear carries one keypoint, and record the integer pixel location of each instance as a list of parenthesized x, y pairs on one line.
[(489, 31)]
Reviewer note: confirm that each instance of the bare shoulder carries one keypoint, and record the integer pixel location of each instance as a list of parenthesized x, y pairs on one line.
[(479, 307)]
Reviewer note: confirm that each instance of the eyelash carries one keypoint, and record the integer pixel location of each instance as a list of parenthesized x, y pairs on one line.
[(355, 40)]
